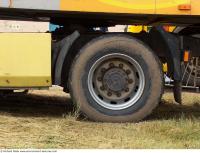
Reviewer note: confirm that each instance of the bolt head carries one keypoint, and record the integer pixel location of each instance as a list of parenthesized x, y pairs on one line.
[(102, 88), (103, 70), (109, 94), (119, 94), (128, 72), (111, 65), (121, 65), (99, 79), (130, 81), (127, 90)]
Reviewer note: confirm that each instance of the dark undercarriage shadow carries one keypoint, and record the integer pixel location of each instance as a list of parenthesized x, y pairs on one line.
[(166, 111), (33, 105)]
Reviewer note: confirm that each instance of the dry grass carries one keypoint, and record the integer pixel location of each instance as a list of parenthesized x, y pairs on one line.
[(43, 119)]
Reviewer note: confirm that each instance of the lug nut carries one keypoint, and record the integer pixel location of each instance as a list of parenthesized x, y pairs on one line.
[(130, 81), (102, 88), (128, 72), (111, 65), (119, 94), (99, 79), (103, 70), (109, 94), (121, 65), (127, 90)]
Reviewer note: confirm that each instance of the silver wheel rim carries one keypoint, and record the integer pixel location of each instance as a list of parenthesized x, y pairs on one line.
[(120, 86)]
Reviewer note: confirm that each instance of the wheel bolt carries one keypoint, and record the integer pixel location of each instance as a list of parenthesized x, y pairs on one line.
[(127, 90), (103, 70), (109, 94), (111, 65), (121, 65), (128, 72), (130, 81), (99, 79), (119, 94), (102, 88)]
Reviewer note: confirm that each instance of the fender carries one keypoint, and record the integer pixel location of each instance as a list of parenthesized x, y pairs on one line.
[(168, 45), (60, 50)]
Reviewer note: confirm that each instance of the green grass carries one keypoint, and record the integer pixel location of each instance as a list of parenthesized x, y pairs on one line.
[(43, 119)]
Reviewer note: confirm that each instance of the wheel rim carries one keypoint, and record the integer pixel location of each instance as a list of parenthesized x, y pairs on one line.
[(116, 81)]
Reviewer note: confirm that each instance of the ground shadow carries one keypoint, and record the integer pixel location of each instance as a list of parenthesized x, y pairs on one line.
[(32, 105), (166, 111)]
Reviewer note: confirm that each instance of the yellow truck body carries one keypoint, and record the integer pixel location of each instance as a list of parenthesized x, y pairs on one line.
[(175, 7), (140, 28), (183, 7), (25, 60)]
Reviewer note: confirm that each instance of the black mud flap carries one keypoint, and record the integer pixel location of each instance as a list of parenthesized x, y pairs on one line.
[(170, 45), (177, 89)]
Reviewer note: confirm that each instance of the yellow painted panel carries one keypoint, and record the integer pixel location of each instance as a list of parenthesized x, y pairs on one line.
[(25, 60), (137, 29), (110, 6), (171, 7), (172, 28), (195, 7)]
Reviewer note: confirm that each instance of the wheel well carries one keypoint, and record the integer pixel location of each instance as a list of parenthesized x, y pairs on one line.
[(84, 39)]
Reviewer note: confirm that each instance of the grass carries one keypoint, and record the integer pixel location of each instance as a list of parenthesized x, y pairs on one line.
[(44, 119)]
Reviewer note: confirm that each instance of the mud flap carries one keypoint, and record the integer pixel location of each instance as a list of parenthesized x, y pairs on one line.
[(171, 47), (177, 89)]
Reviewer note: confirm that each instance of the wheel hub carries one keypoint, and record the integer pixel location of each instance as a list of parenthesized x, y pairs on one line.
[(115, 80)]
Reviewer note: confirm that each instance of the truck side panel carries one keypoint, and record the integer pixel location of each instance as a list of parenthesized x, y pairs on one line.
[(195, 4), (161, 7), (110, 6), (172, 7), (25, 60), (106, 6)]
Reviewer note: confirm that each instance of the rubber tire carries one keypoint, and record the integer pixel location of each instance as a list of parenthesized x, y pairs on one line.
[(116, 43)]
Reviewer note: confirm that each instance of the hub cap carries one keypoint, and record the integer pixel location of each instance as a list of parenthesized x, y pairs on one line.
[(116, 81)]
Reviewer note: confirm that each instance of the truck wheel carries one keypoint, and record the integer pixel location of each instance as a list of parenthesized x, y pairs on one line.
[(116, 78)]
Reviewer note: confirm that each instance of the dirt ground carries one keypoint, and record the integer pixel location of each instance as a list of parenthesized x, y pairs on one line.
[(46, 119)]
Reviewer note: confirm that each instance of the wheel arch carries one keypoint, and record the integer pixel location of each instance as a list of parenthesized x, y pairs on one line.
[(71, 48)]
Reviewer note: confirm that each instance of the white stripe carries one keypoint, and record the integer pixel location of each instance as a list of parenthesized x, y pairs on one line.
[(4, 3), (33, 4)]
